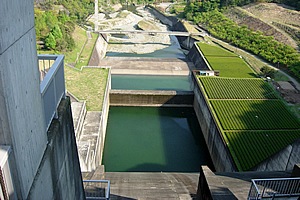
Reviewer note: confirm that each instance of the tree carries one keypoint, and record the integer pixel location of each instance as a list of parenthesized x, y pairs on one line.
[(267, 71), (50, 41)]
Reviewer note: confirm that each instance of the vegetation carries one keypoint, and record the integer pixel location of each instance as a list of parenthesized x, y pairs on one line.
[(88, 84), (254, 121), (254, 129), (218, 59), (207, 14), (250, 147), (237, 88), (268, 72), (254, 115), (55, 22)]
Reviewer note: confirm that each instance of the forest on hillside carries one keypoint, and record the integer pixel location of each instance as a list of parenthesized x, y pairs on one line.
[(55, 22), (208, 14), (225, 3)]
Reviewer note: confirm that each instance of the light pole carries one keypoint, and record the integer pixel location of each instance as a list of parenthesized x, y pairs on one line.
[(96, 15)]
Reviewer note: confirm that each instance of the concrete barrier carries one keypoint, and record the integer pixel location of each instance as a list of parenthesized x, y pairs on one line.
[(103, 121), (154, 98), (217, 148)]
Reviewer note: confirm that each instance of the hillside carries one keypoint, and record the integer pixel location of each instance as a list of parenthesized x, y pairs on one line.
[(271, 19)]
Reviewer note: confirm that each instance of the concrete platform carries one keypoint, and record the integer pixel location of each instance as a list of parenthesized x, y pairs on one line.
[(135, 185), (148, 66)]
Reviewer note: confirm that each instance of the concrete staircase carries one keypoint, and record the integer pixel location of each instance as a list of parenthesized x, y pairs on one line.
[(86, 125)]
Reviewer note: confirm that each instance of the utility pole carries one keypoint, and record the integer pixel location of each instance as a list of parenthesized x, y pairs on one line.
[(96, 15)]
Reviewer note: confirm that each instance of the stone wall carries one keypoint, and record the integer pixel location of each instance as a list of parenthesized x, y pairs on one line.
[(217, 148), (59, 175), (150, 98)]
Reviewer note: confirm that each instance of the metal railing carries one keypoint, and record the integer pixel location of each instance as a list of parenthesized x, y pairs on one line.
[(96, 189), (274, 188), (52, 85)]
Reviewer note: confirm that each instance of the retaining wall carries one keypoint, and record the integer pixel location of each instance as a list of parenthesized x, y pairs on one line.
[(167, 20), (150, 98), (99, 50), (174, 25), (218, 151), (103, 121), (196, 56)]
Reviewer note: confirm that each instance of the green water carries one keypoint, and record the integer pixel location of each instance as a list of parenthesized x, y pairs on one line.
[(140, 82), (154, 139)]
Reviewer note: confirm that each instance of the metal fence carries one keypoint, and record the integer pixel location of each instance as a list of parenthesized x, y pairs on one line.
[(274, 188), (96, 189), (52, 85)]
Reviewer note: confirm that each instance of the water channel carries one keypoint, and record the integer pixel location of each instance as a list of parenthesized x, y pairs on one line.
[(152, 139), (129, 82)]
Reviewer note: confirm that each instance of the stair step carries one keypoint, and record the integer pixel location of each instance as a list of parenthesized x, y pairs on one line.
[(78, 114)]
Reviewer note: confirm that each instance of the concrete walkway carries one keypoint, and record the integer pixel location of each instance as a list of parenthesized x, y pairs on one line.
[(148, 66), (136, 185)]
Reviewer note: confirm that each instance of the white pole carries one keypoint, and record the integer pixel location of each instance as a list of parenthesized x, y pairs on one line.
[(96, 15)]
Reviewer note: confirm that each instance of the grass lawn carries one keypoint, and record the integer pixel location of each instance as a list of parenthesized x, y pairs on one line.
[(88, 84), (237, 88), (83, 48), (228, 63), (79, 36), (213, 50), (233, 67)]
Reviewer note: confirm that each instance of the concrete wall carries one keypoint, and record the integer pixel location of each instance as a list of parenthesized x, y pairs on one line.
[(150, 98), (59, 175), (174, 25), (42, 167), (219, 152), (196, 56), (99, 51), (21, 119), (167, 20), (185, 42), (103, 121), (285, 160)]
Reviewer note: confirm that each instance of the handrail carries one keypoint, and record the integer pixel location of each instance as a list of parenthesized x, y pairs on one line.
[(275, 187), (93, 189), (52, 86)]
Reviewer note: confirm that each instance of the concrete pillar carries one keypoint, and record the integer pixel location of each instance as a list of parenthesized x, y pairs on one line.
[(22, 123)]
